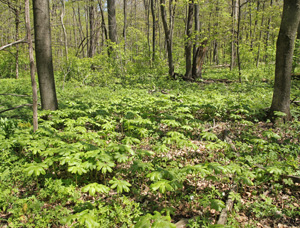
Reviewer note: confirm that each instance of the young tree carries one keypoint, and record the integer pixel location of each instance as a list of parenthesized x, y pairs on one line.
[(284, 56), (43, 54)]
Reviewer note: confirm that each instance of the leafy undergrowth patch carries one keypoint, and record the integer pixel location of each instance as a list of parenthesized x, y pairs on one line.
[(148, 156)]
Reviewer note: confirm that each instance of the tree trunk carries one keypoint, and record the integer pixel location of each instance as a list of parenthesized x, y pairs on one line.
[(17, 21), (188, 42), (284, 55), (92, 40), (125, 23), (195, 71), (32, 70), (43, 54), (153, 29), (112, 24), (233, 41), (62, 15), (168, 37), (238, 40)]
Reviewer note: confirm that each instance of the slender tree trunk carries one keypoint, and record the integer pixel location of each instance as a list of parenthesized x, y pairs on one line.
[(238, 40), (43, 54), (32, 70), (17, 22), (268, 35), (260, 34), (62, 15), (103, 25), (125, 23), (233, 41), (284, 56), (188, 42), (168, 37), (92, 40), (153, 29), (195, 71)]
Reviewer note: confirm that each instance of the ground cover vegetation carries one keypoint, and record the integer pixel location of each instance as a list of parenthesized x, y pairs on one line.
[(159, 115), (120, 156)]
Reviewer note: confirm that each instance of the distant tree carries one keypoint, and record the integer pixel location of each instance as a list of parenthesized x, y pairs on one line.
[(284, 57), (43, 54)]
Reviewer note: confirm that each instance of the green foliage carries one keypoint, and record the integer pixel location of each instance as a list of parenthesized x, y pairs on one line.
[(159, 150), (154, 221)]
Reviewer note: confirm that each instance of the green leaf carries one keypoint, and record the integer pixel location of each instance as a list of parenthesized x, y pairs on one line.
[(95, 187), (216, 204), (121, 185), (105, 166), (77, 170), (35, 169), (209, 136), (162, 185)]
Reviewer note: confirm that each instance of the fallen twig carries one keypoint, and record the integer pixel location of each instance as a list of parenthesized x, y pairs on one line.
[(229, 205)]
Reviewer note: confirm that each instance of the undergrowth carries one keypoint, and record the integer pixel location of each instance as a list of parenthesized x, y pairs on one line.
[(148, 154)]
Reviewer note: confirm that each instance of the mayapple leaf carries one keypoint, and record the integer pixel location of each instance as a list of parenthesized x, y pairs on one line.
[(77, 170), (121, 185), (95, 187), (35, 169), (162, 185)]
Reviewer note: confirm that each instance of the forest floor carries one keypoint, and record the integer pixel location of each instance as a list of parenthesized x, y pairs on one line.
[(150, 154)]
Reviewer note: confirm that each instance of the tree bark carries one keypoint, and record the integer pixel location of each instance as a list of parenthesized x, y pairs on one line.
[(32, 70), (43, 53), (284, 55), (62, 15), (188, 42), (92, 46), (112, 24), (196, 71), (168, 37), (153, 29), (125, 23)]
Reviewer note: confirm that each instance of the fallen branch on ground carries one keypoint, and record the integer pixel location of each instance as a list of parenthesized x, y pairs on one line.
[(229, 205)]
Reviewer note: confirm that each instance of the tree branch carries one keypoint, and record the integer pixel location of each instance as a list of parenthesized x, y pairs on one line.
[(20, 106), (13, 43)]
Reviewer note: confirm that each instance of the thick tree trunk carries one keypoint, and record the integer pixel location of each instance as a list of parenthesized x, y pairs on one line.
[(188, 42), (112, 24), (284, 56), (44, 54), (168, 37), (32, 70)]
